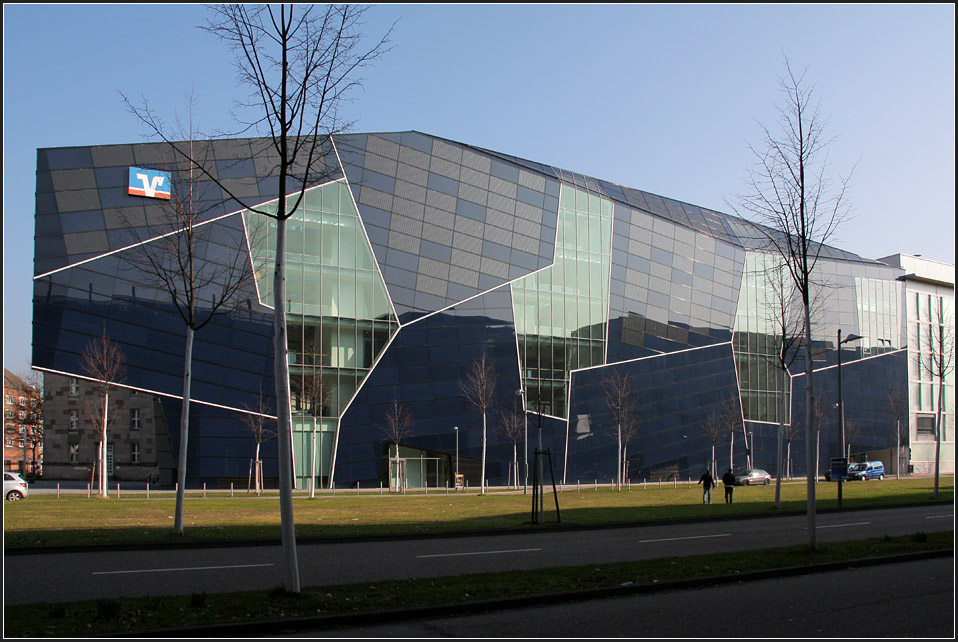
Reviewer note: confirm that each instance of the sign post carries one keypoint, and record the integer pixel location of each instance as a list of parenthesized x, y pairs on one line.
[(839, 470)]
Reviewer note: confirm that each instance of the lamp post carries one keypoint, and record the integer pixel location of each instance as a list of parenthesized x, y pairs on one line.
[(525, 444), (456, 428), (841, 405)]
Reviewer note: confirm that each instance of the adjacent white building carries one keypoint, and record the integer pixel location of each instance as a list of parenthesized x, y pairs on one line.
[(930, 306)]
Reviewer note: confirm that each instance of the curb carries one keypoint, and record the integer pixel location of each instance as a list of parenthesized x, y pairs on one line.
[(320, 623)]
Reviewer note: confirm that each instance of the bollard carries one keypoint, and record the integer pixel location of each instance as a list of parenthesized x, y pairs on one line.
[(88, 491), (231, 489), (147, 490), (380, 488), (577, 485), (357, 486), (118, 490), (58, 490), (204, 489)]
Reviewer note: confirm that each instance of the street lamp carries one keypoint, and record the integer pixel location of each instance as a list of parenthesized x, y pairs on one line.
[(841, 406), (525, 447), (456, 428)]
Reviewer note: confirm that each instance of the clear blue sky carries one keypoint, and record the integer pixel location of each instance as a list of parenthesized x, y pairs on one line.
[(663, 98)]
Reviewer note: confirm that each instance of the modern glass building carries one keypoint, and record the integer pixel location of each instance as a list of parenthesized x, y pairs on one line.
[(412, 257)]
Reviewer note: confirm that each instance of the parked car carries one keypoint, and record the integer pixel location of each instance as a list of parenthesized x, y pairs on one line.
[(753, 477), (866, 470), (14, 487)]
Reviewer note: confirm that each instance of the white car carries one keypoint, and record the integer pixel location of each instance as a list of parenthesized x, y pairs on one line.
[(14, 487)]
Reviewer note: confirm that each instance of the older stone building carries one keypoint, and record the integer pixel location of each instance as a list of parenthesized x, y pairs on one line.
[(22, 425), (138, 443)]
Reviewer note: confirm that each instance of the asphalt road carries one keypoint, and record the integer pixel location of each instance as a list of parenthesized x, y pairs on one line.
[(912, 599), (58, 577)]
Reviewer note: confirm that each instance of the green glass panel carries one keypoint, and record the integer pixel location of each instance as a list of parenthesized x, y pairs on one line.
[(567, 301)]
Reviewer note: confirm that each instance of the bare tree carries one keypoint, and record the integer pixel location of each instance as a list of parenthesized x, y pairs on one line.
[(897, 404), (103, 361), (713, 428), (630, 428), (791, 193), (299, 64), (170, 251), (397, 421), (479, 388), (512, 427), (259, 424), (940, 363), (617, 388), (730, 419)]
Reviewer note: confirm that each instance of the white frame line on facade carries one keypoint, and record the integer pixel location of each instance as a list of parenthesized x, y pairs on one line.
[(565, 460), (139, 243)]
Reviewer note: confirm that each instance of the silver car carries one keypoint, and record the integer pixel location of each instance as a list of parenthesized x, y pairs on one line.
[(752, 477), (14, 487)]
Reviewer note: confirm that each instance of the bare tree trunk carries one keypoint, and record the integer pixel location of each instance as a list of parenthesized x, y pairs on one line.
[(103, 470), (258, 471), (482, 484), (811, 473), (281, 375), (184, 434)]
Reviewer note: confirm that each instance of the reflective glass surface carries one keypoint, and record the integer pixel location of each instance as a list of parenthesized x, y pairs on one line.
[(562, 311), (338, 315)]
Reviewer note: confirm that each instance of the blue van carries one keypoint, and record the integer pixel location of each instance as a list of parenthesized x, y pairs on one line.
[(866, 470)]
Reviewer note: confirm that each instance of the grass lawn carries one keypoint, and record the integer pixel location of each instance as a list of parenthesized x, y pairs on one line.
[(133, 519)]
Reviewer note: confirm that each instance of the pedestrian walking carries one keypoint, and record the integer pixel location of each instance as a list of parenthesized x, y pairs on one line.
[(707, 483), (729, 480)]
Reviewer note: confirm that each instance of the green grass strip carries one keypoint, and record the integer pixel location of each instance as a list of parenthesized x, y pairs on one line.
[(43, 521)]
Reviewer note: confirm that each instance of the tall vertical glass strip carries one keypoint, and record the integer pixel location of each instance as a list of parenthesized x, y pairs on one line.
[(338, 315), (766, 296), (879, 315), (562, 312)]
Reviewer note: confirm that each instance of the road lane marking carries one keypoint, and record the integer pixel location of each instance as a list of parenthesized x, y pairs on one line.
[(517, 550), (939, 516), (841, 525), (676, 539), (186, 568)]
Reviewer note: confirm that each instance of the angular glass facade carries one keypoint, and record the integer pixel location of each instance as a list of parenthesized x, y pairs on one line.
[(339, 318), (411, 258), (562, 311)]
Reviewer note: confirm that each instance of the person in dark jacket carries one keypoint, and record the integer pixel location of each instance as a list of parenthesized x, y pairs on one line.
[(707, 483), (729, 480)]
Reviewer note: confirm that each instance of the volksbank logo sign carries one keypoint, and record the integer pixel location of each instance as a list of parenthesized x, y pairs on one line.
[(150, 183)]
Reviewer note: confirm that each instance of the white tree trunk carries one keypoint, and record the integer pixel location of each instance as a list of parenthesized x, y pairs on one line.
[(482, 483), (284, 429), (103, 471)]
